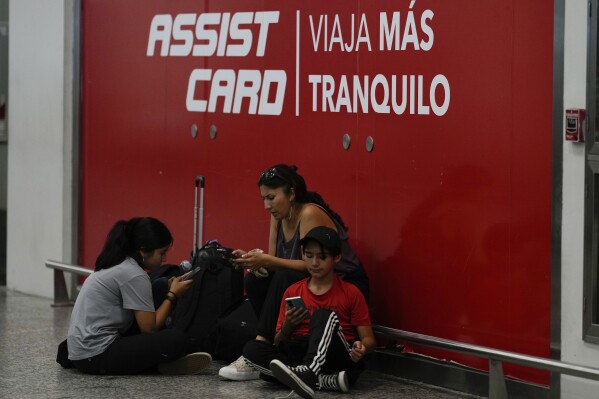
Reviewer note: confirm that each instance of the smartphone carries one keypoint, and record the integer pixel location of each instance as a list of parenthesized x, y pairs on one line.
[(295, 302), (191, 274)]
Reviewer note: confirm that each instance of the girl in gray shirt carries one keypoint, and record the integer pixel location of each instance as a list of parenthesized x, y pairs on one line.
[(117, 324)]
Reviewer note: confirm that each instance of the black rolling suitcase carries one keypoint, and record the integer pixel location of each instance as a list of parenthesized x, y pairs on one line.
[(215, 288)]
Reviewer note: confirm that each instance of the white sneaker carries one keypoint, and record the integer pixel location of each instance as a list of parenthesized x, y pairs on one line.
[(239, 370)]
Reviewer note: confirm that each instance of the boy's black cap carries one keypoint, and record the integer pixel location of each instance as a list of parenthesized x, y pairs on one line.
[(325, 236)]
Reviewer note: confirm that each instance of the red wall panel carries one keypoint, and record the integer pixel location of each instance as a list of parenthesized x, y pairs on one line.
[(450, 213)]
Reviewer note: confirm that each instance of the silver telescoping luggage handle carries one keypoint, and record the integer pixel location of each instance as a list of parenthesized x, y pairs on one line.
[(197, 240), (201, 229)]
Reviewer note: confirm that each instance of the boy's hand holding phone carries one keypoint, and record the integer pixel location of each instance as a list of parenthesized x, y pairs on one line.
[(296, 313)]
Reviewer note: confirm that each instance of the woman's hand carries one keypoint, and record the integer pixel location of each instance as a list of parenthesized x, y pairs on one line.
[(252, 260), (238, 253)]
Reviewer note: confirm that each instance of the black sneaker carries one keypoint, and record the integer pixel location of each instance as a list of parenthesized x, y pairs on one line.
[(334, 382), (300, 378)]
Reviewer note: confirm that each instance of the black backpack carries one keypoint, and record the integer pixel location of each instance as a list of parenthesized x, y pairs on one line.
[(215, 289)]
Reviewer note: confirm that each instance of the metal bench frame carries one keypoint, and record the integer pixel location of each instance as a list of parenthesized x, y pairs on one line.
[(61, 294), (497, 384)]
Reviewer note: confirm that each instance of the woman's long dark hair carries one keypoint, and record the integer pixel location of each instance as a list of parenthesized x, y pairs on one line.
[(286, 176), (127, 237)]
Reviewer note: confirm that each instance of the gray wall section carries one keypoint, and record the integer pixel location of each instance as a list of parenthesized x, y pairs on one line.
[(3, 91), (35, 218), (3, 145)]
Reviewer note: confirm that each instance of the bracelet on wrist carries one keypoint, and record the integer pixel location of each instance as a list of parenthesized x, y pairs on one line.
[(172, 300)]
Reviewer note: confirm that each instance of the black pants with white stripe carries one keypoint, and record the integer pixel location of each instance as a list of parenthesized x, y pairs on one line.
[(324, 351)]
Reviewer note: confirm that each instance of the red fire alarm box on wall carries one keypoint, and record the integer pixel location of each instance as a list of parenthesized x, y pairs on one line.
[(575, 124)]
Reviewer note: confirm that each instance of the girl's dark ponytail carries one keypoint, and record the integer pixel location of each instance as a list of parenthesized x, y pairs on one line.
[(127, 237), (117, 245)]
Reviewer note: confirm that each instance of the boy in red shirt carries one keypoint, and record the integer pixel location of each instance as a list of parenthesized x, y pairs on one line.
[(322, 345)]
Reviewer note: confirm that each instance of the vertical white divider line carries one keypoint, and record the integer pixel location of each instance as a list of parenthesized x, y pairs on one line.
[(297, 61)]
